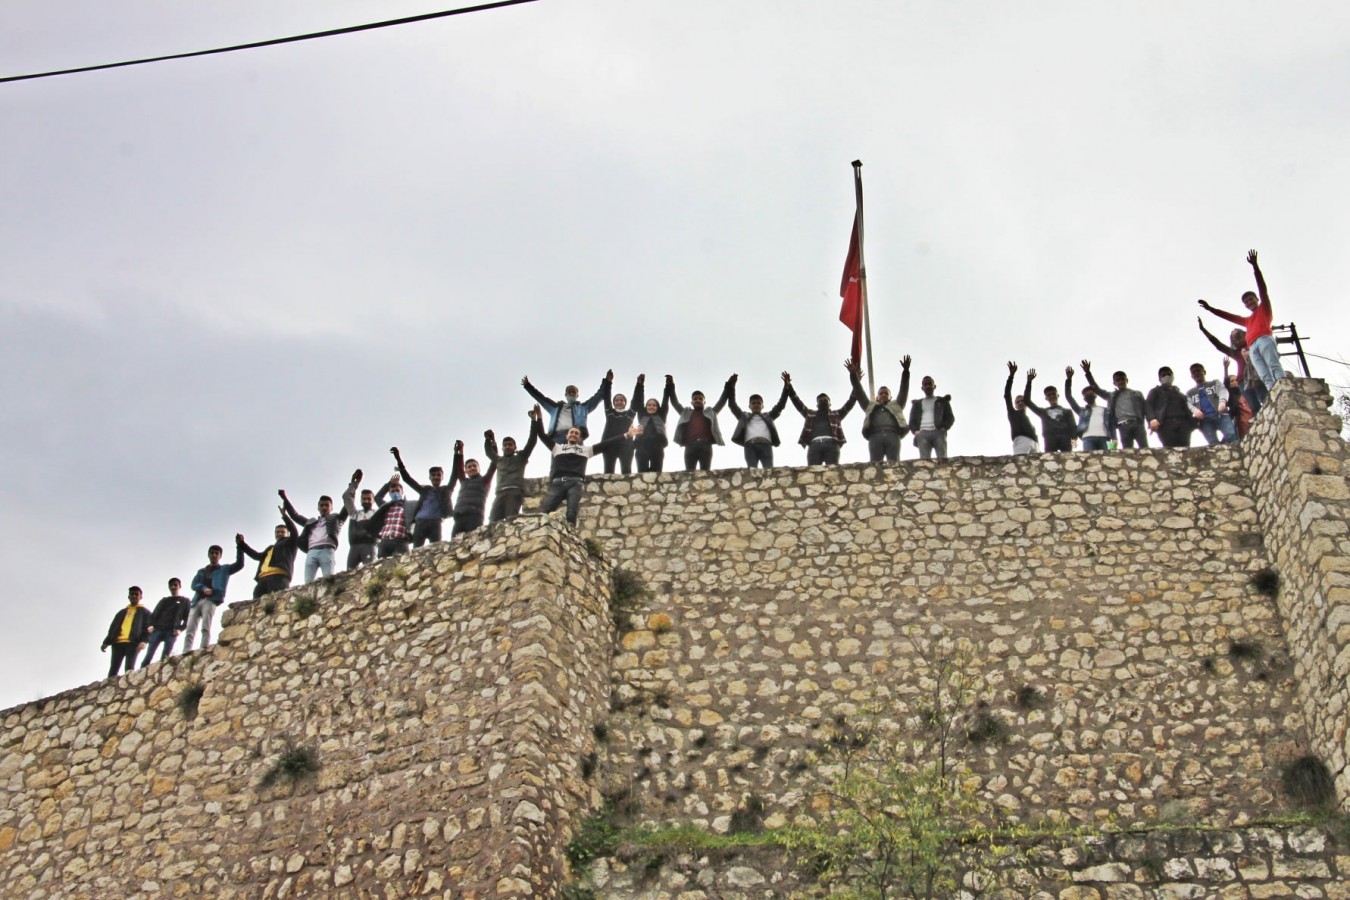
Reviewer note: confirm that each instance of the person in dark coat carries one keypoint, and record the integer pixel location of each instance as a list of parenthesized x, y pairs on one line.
[(166, 623), (1169, 417), (126, 634)]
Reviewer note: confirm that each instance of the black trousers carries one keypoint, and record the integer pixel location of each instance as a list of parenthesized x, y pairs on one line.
[(426, 531), (270, 585), (822, 453), (393, 547), (698, 454), (1061, 444), (1133, 434), (123, 654), (622, 454), (759, 453), (884, 445), (467, 522), (360, 555), (565, 488), (506, 504), (1175, 433), (650, 457)]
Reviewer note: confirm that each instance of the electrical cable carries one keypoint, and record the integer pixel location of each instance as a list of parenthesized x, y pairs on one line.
[(351, 29)]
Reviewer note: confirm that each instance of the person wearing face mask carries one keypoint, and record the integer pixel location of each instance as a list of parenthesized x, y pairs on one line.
[(697, 431), (571, 412), (649, 447), (755, 430), (618, 419), (884, 422), (390, 520), (1023, 432), (822, 427), (1168, 415)]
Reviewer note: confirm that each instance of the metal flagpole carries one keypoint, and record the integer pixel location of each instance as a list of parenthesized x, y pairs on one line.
[(862, 280)]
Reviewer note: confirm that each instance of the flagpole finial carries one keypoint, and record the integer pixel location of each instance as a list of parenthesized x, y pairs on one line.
[(857, 164)]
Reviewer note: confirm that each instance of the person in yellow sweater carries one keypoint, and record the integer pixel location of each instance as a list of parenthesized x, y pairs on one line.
[(126, 634)]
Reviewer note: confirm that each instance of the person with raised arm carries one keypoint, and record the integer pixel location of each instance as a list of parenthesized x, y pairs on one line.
[(1059, 430), (1125, 407), (1253, 390), (756, 432), (433, 502), (471, 500), (1094, 422), (619, 416), (510, 467), (884, 422), (361, 537), (567, 474), (572, 412), (1023, 432), (697, 431), (649, 447), (276, 563), (317, 536), (822, 427), (1265, 355), (208, 591)]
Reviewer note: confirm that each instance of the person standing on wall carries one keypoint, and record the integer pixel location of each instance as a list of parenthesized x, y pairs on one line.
[(126, 634), (1208, 403), (930, 418), (1059, 430), (166, 623), (361, 537), (884, 421), (510, 466), (649, 447), (756, 431), (1265, 355), (1168, 415), (697, 431), (571, 412), (1023, 433), (822, 428), (208, 591), (471, 501), (433, 502), (567, 475), (275, 564), (317, 537), (1125, 407), (618, 419), (1094, 422)]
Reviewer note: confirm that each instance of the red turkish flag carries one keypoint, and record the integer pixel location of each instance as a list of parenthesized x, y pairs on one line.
[(851, 312)]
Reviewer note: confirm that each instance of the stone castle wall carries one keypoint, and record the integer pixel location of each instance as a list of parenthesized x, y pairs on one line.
[(470, 702), (447, 694)]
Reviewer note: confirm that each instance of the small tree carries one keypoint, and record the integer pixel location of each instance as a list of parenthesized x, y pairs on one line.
[(901, 816)]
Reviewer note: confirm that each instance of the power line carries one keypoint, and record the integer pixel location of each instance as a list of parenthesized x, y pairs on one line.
[(351, 29)]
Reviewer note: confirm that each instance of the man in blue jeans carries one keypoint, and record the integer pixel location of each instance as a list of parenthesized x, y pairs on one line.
[(318, 536), (1208, 403), (166, 623)]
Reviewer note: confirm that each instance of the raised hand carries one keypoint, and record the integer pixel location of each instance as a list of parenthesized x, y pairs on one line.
[(635, 430), (1204, 305), (536, 412), (1012, 367), (459, 446), (489, 436), (787, 379), (904, 362), (642, 379), (281, 494), (394, 450), (670, 380), (733, 378), (1031, 374), (609, 375), (525, 381), (357, 476), (1068, 371), (239, 539), (852, 367), (1251, 258), (1085, 365)]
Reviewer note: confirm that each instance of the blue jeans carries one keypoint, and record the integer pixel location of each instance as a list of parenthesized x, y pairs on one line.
[(162, 637), (1217, 429), (1265, 358), (1255, 395), (319, 559), (1095, 443)]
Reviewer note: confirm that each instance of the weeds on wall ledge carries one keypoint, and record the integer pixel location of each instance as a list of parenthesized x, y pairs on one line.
[(295, 763)]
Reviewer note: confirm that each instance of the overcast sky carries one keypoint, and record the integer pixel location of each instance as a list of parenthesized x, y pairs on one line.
[(227, 275)]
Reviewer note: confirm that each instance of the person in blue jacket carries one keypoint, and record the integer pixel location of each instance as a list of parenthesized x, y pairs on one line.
[(571, 412), (208, 591)]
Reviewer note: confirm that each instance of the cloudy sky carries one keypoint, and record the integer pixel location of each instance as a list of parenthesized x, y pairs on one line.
[(227, 275)]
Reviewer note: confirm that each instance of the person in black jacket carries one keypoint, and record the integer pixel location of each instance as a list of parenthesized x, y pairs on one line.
[(471, 501), (822, 427), (929, 419), (1023, 434), (166, 623), (1060, 428), (317, 537), (126, 634), (619, 417), (756, 430), (361, 537), (884, 422), (1169, 416), (433, 502), (649, 447), (567, 474), (275, 564), (509, 467)]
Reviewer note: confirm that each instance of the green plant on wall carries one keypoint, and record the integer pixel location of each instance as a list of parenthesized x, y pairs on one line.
[(901, 813)]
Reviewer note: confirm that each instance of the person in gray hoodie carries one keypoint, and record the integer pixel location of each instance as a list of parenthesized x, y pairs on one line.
[(884, 422)]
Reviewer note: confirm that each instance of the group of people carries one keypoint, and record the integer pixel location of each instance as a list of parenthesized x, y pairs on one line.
[(403, 513), (1221, 411)]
